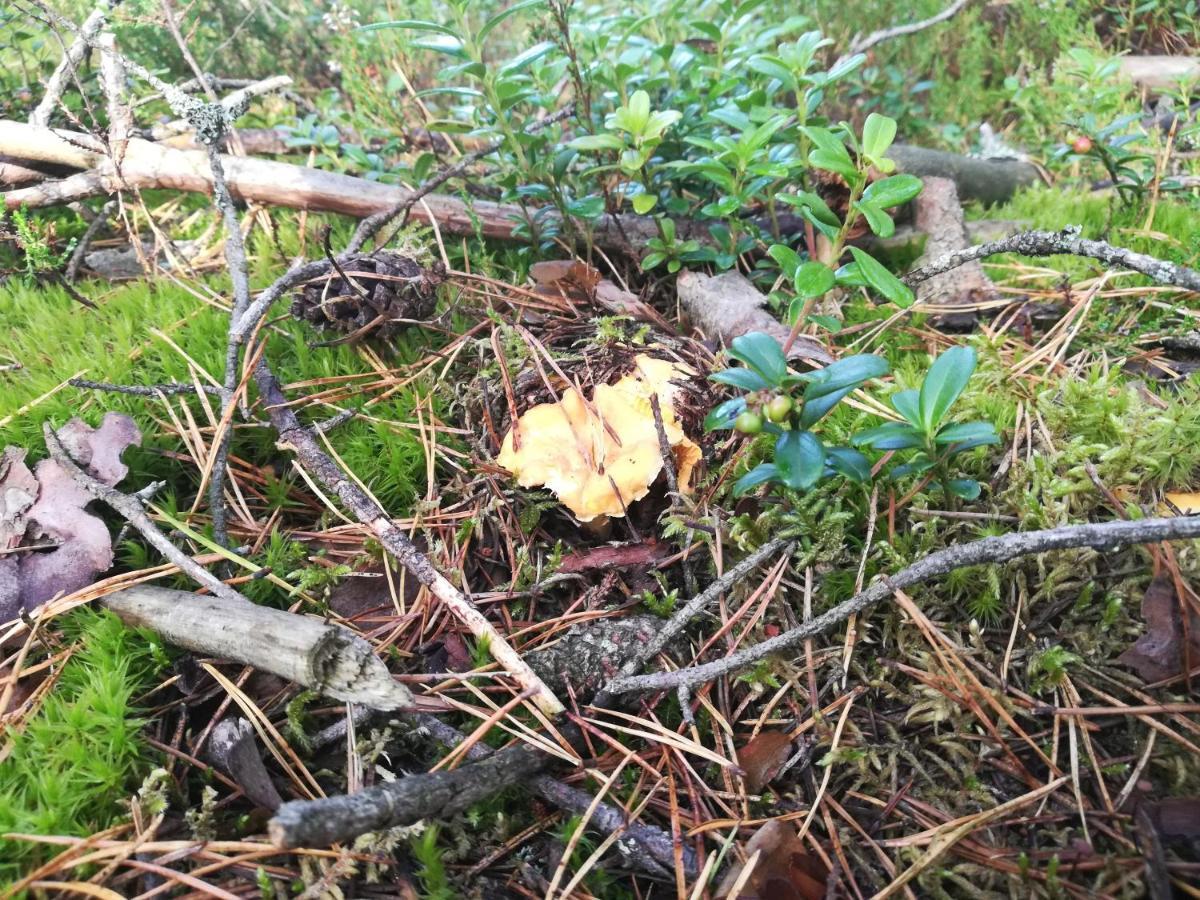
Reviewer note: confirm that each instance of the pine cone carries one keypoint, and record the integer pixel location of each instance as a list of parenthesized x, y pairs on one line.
[(388, 292)]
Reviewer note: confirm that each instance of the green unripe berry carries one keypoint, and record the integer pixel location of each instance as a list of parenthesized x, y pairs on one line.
[(779, 408), (748, 423)]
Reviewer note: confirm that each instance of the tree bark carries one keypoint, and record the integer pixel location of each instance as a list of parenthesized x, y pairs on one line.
[(305, 650), (986, 180)]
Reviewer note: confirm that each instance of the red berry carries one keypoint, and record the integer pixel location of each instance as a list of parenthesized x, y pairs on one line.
[(1082, 144)]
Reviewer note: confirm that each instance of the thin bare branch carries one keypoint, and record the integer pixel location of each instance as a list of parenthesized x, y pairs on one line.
[(1105, 536), (1065, 242)]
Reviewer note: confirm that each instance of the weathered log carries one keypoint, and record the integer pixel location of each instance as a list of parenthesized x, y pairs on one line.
[(939, 215), (149, 165), (1160, 73), (986, 180), (728, 305), (302, 649)]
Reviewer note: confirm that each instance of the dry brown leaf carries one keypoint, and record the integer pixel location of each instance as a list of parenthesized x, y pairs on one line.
[(1158, 653), (600, 460), (762, 758), (582, 283), (785, 869), (81, 545)]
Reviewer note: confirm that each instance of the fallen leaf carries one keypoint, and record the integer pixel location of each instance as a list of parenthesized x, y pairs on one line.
[(1176, 817), (599, 458), (80, 543), (762, 758), (582, 283), (785, 870), (614, 556), (1158, 653)]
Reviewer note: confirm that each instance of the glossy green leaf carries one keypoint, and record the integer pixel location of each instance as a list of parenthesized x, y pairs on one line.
[(409, 25), (879, 222), (762, 353), (499, 17), (943, 384), (908, 404), (760, 474), (878, 134), (812, 279), (966, 488), (881, 280), (746, 379), (800, 457), (889, 436), (527, 57), (893, 191), (978, 433), (848, 462), (643, 203), (722, 416), (787, 258), (848, 372), (591, 142)]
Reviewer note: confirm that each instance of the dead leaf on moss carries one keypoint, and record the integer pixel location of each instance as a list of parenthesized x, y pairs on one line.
[(1158, 653), (785, 870), (47, 507), (763, 757), (581, 283), (600, 460)]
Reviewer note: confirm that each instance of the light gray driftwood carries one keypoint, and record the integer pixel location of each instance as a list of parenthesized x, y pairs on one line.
[(302, 649), (727, 305)]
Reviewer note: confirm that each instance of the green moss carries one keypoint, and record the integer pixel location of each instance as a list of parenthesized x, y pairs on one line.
[(79, 759)]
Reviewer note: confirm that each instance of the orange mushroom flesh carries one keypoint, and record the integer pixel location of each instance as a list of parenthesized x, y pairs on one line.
[(601, 459)]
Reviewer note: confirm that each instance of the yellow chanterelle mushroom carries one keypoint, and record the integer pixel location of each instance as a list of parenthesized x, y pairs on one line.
[(598, 461)]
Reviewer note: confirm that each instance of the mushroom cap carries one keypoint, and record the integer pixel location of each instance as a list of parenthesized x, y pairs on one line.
[(598, 458)]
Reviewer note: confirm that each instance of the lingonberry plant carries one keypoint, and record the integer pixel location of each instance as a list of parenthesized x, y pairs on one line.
[(788, 405), (927, 429)]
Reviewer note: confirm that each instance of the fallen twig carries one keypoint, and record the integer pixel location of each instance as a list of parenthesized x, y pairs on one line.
[(57, 83), (1105, 536), (863, 44), (1065, 242), (301, 440), (684, 615)]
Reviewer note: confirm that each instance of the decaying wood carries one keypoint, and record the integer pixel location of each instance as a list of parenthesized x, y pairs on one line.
[(1160, 73), (938, 214), (233, 748), (305, 650), (1105, 536), (725, 306), (987, 180), (1063, 243), (319, 823), (147, 165)]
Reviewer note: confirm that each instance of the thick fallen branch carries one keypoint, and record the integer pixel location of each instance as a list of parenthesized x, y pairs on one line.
[(319, 823), (726, 306), (1065, 242), (148, 165), (1106, 536), (328, 658)]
